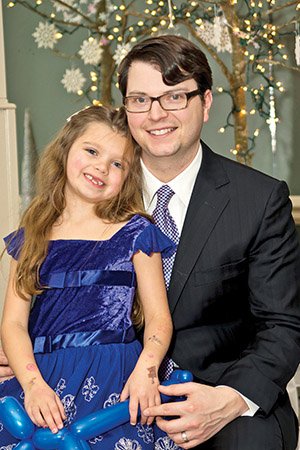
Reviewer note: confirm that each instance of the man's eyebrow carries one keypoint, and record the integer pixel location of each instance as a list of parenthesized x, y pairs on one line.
[(134, 93)]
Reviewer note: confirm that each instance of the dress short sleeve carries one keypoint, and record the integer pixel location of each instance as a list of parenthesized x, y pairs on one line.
[(14, 242), (152, 239)]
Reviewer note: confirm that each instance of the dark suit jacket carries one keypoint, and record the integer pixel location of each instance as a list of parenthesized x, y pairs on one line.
[(234, 293)]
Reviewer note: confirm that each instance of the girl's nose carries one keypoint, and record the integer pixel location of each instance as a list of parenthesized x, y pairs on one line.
[(102, 167)]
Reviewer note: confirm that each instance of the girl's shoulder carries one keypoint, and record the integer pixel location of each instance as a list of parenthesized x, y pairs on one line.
[(14, 242), (151, 239)]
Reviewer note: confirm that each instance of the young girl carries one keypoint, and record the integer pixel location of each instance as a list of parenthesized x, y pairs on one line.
[(81, 248)]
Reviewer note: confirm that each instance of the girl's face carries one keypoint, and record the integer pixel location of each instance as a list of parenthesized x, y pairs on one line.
[(95, 168)]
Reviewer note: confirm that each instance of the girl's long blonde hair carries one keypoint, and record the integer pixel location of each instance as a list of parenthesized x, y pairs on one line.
[(49, 203)]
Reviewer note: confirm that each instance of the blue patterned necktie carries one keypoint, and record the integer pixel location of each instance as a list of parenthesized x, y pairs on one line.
[(165, 222)]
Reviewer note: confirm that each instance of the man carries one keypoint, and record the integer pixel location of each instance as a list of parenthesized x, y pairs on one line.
[(234, 288)]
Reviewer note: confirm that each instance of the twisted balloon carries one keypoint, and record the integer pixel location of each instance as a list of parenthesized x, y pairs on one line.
[(17, 422)]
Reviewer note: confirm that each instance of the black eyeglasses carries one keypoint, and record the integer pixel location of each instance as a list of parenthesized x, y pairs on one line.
[(173, 101)]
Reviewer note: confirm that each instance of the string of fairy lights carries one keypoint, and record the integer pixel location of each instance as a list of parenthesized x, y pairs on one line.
[(246, 38)]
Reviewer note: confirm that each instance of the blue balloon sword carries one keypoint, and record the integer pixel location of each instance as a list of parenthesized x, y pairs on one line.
[(17, 422)]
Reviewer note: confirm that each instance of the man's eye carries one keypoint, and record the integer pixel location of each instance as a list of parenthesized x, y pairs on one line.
[(140, 100), (175, 97)]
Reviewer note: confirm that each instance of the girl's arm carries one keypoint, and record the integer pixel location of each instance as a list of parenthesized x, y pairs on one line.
[(142, 384), (41, 403)]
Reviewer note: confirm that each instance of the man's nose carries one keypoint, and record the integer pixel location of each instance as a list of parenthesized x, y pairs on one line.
[(156, 111)]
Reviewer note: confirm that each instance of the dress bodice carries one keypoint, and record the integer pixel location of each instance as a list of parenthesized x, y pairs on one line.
[(90, 285)]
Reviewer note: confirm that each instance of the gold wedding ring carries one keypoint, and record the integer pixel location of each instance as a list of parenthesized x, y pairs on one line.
[(184, 436)]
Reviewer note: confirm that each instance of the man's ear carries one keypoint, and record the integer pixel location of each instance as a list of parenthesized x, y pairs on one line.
[(207, 102)]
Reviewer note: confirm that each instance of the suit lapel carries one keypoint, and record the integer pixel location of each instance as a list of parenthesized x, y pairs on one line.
[(206, 205)]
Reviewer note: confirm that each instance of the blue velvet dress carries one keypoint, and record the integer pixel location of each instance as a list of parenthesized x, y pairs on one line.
[(81, 328)]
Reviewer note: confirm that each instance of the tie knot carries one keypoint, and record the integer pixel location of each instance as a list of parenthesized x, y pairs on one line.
[(164, 195)]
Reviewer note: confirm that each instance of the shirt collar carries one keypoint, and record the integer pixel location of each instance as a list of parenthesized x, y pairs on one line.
[(182, 185)]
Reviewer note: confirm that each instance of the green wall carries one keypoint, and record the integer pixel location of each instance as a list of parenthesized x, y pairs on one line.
[(33, 81)]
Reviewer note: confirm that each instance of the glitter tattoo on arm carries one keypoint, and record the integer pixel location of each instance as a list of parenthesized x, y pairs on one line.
[(32, 367), (155, 339), (152, 373)]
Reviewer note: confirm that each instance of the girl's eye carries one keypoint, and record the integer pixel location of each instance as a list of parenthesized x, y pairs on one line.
[(117, 164), (91, 151)]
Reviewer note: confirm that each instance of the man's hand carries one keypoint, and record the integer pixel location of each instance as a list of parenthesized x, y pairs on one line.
[(205, 411), (5, 371)]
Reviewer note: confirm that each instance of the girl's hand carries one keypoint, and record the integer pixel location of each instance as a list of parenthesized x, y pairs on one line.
[(44, 406), (142, 390)]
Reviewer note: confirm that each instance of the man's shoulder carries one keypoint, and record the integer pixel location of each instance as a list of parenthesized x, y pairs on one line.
[(238, 172)]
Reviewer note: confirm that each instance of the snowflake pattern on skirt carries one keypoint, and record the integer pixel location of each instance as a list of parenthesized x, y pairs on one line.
[(95, 440), (112, 400), (127, 444), (165, 443), (89, 389), (60, 387), (145, 432), (70, 407)]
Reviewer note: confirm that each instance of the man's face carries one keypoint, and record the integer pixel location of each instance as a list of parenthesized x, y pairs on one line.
[(163, 133)]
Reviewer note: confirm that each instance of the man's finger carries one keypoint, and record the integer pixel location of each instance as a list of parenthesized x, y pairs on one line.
[(177, 389), (165, 409)]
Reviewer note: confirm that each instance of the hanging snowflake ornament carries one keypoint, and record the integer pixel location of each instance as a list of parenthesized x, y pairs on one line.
[(206, 32), (222, 40), (45, 35), (91, 51), (121, 52), (73, 80)]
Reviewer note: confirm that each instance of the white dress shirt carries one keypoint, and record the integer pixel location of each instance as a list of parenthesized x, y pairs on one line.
[(183, 186)]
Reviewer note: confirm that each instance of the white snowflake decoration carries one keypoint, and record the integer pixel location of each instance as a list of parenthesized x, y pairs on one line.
[(102, 28), (103, 16), (96, 439), (73, 80), (165, 443), (110, 7), (89, 389), (145, 432), (60, 387), (113, 399), (45, 35), (121, 52), (91, 51), (222, 38), (127, 444), (206, 32), (216, 34), (69, 407)]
